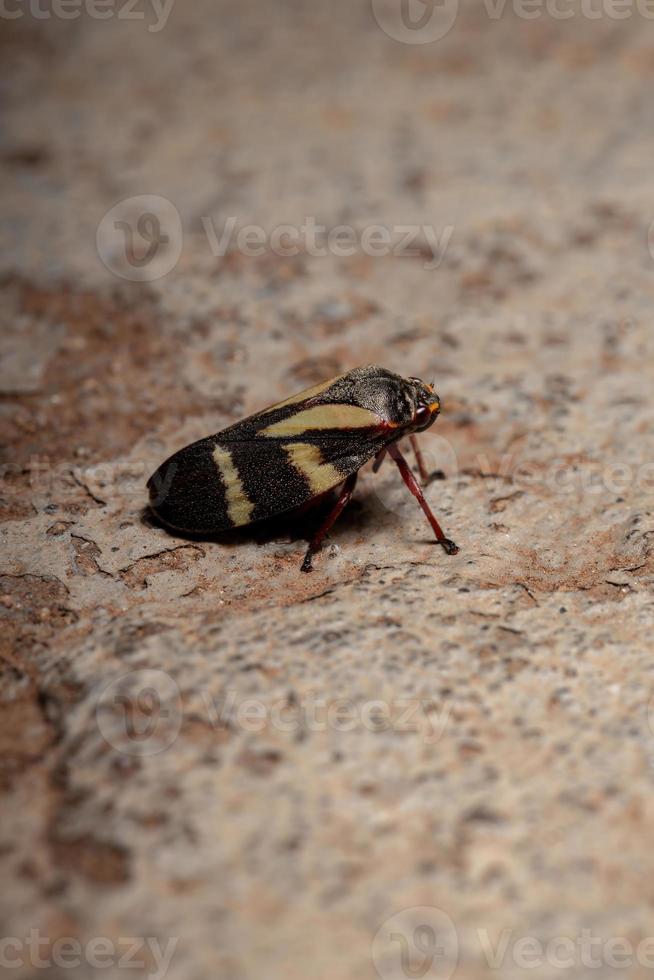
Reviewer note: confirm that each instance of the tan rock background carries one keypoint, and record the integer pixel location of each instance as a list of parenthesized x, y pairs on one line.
[(200, 744)]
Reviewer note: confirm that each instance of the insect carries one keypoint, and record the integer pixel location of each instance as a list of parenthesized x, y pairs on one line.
[(295, 452)]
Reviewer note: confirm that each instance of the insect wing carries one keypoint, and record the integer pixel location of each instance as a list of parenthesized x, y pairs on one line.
[(270, 462)]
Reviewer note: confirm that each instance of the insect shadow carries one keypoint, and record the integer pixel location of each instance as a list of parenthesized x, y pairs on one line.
[(294, 525)]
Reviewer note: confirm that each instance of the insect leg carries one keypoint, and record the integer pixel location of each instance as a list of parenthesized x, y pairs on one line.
[(420, 460), (410, 481), (339, 506), (379, 459), (425, 476)]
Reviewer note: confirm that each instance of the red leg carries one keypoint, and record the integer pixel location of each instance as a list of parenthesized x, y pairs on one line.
[(425, 476), (410, 481), (420, 460), (339, 507)]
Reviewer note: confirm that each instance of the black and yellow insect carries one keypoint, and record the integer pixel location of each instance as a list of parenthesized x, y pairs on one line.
[(296, 451)]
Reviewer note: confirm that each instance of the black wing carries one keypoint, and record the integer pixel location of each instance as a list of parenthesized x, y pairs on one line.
[(282, 457), (215, 485)]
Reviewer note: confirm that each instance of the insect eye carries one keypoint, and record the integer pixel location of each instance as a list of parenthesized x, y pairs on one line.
[(423, 415)]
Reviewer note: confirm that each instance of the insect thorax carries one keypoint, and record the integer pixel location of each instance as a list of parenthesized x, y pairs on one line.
[(389, 395)]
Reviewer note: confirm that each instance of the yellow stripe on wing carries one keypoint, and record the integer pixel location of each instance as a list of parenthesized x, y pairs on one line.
[(323, 417), (239, 506), (307, 460)]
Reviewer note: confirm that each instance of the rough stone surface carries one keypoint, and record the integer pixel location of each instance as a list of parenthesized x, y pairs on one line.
[(199, 742)]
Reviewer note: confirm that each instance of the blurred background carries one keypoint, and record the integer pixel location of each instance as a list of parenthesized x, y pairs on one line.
[(404, 764)]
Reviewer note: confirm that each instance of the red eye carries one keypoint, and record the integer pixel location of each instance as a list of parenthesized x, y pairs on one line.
[(423, 415)]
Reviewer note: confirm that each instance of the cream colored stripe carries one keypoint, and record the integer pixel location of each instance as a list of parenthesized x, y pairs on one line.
[(239, 507), (307, 459), (323, 417), (307, 393)]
